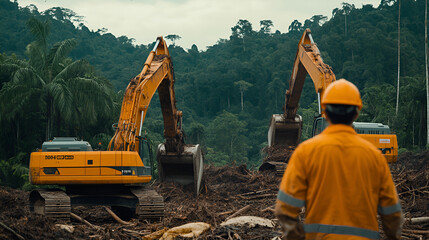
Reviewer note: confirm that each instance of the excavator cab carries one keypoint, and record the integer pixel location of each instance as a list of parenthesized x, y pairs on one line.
[(319, 125), (376, 133), (145, 152)]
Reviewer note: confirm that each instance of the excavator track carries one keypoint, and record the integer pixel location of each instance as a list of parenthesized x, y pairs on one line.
[(278, 167), (56, 204), (52, 203), (151, 204)]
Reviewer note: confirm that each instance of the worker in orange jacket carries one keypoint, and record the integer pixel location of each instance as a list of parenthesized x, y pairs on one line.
[(341, 179)]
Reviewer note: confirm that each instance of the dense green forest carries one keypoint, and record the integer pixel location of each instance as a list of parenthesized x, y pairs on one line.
[(58, 78)]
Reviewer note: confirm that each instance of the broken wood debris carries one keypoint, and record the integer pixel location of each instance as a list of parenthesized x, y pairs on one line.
[(85, 222), (118, 219), (240, 211), (12, 231)]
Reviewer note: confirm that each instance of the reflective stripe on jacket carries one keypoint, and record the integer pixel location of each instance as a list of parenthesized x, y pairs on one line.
[(343, 181)]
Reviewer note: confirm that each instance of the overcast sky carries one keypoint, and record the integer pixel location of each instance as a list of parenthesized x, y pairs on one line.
[(200, 22)]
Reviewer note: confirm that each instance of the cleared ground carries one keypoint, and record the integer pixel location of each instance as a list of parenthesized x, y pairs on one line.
[(225, 190)]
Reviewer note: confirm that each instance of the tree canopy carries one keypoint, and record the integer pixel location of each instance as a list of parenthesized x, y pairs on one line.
[(48, 68)]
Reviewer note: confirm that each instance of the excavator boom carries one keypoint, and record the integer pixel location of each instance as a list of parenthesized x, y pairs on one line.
[(176, 161), (285, 129)]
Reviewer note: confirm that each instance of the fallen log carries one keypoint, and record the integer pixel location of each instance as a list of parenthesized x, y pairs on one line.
[(12, 231), (271, 209), (258, 196), (225, 213), (254, 192), (413, 235), (413, 190), (118, 219), (416, 231), (242, 210), (141, 233), (418, 220), (84, 221)]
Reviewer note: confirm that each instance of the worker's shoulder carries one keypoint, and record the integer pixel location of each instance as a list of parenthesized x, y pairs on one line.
[(351, 140), (313, 142)]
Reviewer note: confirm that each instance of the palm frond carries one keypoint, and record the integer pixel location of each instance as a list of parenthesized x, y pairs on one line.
[(92, 97), (59, 52), (62, 97), (40, 30), (8, 69), (27, 76), (37, 58), (76, 69), (14, 98)]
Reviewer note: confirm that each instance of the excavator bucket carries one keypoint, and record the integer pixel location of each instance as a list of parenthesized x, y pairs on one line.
[(186, 168), (284, 132)]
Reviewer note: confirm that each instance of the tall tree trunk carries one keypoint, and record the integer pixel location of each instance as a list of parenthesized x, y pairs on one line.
[(399, 56), (422, 126), (345, 23), (17, 137), (48, 124), (275, 93), (242, 100), (49, 119), (58, 124), (427, 81), (230, 150), (413, 134)]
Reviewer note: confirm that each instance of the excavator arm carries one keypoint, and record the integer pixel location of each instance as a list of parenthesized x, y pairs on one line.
[(176, 161), (285, 129), (157, 74), (307, 61)]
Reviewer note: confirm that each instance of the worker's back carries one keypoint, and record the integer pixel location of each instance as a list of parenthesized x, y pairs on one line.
[(343, 178)]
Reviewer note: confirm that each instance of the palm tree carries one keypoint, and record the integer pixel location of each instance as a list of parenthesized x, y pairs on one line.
[(399, 55), (427, 74), (64, 89)]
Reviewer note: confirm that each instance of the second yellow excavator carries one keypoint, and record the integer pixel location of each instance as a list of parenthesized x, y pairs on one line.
[(285, 129), (116, 177)]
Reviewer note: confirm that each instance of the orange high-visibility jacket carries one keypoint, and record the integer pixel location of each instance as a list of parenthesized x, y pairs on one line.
[(343, 181)]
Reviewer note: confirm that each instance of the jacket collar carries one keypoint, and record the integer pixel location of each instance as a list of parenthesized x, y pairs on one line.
[(335, 128)]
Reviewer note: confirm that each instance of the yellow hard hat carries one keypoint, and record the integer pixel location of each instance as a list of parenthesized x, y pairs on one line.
[(342, 92)]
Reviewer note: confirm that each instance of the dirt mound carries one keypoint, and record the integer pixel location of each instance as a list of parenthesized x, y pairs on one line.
[(225, 190), (278, 153)]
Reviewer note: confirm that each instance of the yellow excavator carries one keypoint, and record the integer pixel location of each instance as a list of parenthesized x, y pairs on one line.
[(116, 177), (285, 129)]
